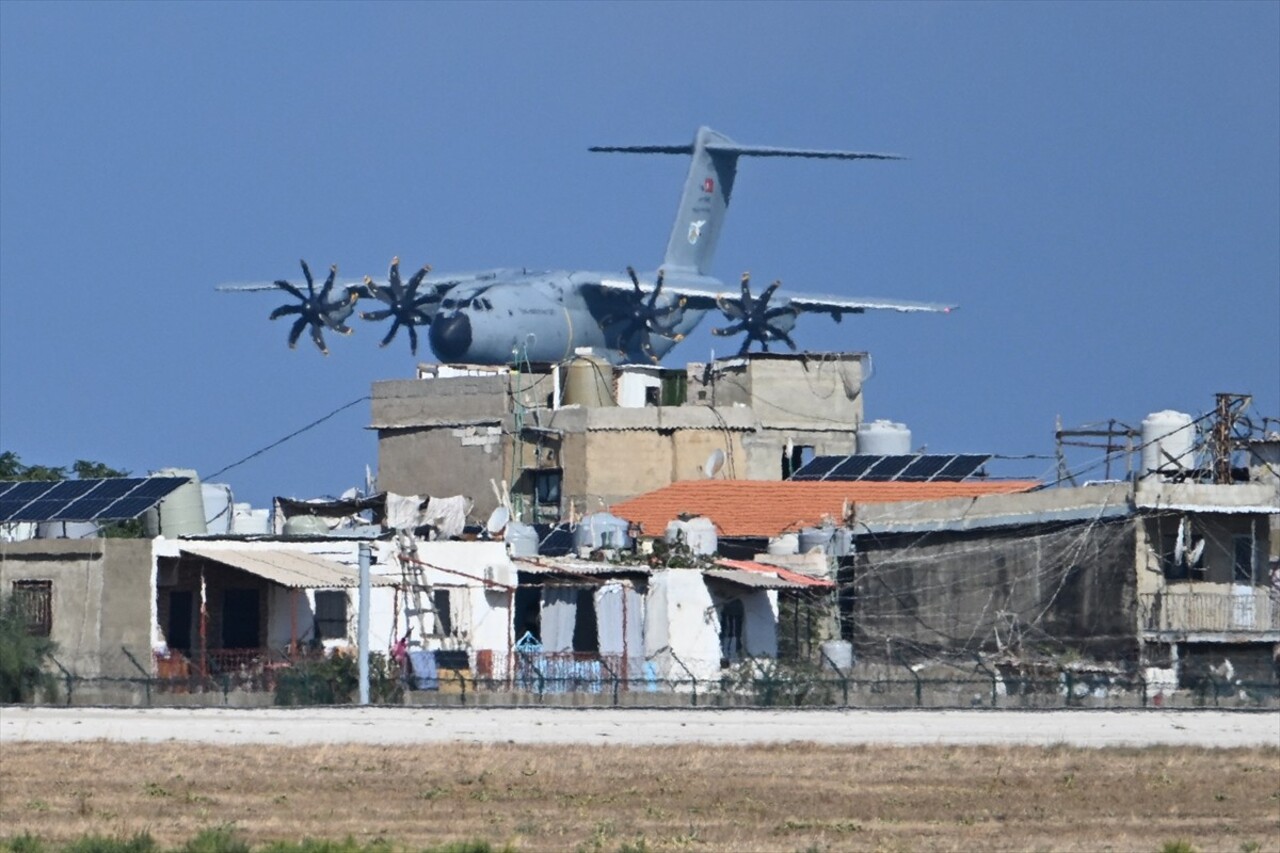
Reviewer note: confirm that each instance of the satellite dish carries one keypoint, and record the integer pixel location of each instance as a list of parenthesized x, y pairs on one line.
[(497, 521), (713, 464)]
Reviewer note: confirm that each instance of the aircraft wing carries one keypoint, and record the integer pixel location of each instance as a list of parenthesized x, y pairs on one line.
[(838, 306), (441, 283), (704, 296)]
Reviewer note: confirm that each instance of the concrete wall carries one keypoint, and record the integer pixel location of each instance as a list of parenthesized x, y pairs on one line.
[(681, 626), (443, 461), (785, 391), (1072, 586), (101, 598)]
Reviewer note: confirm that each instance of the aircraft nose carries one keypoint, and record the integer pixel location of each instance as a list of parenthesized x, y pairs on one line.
[(450, 337)]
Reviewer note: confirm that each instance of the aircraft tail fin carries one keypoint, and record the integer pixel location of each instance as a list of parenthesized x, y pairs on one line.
[(708, 186)]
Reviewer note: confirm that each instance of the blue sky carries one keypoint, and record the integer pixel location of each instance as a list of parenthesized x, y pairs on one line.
[(1097, 185)]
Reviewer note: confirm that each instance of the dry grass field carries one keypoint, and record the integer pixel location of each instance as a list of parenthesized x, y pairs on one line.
[(552, 798)]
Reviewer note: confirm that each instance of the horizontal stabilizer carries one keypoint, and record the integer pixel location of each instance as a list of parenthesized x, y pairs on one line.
[(643, 149), (769, 151)]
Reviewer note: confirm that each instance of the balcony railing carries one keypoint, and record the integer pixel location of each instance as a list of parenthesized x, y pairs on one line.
[(1239, 610)]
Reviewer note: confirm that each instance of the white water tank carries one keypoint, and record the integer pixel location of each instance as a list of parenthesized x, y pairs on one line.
[(883, 438), (699, 534), (521, 539), (66, 530), (247, 520), (601, 530), (219, 507), (1168, 444), (816, 538), (181, 513)]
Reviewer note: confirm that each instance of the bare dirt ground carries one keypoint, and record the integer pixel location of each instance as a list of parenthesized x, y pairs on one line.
[(636, 780), (639, 727)]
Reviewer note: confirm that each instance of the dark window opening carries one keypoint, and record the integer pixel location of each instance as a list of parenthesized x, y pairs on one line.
[(331, 615), (585, 630), (240, 614), (181, 611), (528, 615), (653, 396), (1242, 571), (444, 616), (731, 619), (800, 455), (546, 486), (35, 603)]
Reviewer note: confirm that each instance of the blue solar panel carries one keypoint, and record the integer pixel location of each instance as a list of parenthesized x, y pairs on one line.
[(148, 493), (18, 496), (83, 500), (887, 468), (924, 468), (817, 467), (963, 466), (853, 467)]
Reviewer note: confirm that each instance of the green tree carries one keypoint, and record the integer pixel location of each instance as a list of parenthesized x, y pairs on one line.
[(23, 658), (12, 468)]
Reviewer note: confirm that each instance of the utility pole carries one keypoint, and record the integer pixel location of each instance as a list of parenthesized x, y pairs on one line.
[(362, 624), (1222, 438)]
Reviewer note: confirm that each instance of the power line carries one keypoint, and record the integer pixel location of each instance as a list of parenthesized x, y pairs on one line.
[(291, 435)]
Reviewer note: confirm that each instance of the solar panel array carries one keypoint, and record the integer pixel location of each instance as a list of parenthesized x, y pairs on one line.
[(83, 500), (906, 468)]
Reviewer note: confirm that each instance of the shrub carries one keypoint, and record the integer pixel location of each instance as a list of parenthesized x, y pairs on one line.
[(23, 658)]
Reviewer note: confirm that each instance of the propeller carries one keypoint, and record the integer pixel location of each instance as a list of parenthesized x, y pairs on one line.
[(316, 309), (403, 303), (645, 317), (753, 316)]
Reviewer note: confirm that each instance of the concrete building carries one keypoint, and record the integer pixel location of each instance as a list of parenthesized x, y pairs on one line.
[(1166, 576), (579, 438)]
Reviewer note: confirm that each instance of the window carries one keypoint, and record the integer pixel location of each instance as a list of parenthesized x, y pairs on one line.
[(35, 601), (444, 615), (331, 615), (731, 619), (1242, 547), (546, 486), (586, 632)]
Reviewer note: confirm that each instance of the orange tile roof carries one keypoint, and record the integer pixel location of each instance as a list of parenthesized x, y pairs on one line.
[(767, 508)]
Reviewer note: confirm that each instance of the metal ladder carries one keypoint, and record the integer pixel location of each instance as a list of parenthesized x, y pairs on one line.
[(413, 577)]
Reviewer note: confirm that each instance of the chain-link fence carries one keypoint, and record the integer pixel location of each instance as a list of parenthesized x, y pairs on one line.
[(458, 677)]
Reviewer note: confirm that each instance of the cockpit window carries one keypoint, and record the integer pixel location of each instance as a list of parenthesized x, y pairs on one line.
[(449, 303)]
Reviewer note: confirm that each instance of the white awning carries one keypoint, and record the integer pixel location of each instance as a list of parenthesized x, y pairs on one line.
[(293, 569)]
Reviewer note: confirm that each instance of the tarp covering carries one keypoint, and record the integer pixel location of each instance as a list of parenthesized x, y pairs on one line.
[(609, 601), (559, 613), (294, 569)]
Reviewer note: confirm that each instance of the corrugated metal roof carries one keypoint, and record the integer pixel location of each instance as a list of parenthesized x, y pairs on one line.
[(571, 566), (293, 569)]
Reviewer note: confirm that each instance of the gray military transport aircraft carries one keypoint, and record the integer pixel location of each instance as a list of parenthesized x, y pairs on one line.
[(503, 315)]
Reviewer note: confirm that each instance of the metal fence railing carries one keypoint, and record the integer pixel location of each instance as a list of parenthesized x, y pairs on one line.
[(1246, 610), (566, 678)]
